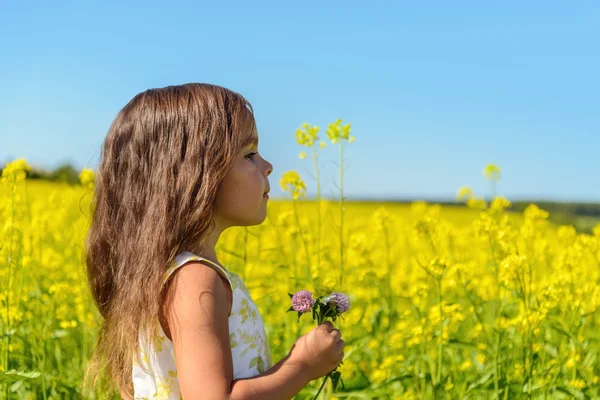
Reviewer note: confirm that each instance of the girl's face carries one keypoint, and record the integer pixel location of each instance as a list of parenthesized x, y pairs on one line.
[(242, 199)]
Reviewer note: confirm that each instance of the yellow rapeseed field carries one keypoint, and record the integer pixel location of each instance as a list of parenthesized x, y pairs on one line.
[(447, 302)]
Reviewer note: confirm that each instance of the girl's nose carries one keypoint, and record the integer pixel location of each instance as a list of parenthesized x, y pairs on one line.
[(269, 168)]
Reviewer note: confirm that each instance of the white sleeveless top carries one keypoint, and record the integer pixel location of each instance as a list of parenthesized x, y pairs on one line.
[(247, 337)]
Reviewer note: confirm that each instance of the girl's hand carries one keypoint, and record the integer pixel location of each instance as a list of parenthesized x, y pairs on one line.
[(318, 352)]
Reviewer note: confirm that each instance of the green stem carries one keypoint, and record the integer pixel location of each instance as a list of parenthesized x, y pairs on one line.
[(316, 165), (388, 250), (307, 272), (322, 318), (10, 259), (321, 388), (496, 369), (341, 215), (441, 345)]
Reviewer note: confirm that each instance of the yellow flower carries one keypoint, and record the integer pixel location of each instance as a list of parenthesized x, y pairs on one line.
[(533, 213), (480, 358), (307, 135), (335, 132), (477, 203), (465, 365), (15, 171), (345, 132), (302, 155), (87, 178), (499, 204), (577, 383), (518, 371), (492, 172), (464, 192), (292, 182)]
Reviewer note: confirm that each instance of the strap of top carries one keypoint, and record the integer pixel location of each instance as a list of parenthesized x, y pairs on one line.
[(186, 256)]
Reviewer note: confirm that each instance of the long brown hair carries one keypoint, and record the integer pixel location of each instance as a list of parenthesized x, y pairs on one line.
[(161, 165)]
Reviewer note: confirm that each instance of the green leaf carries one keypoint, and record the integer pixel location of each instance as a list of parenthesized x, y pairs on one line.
[(561, 330), (358, 381), (253, 362), (14, 376), (335, 379), (16, 386), (260, 365), (290, 309), (59, 333), (299, 315), (291, 295), (8, 333), (483, 380), (578, 394)]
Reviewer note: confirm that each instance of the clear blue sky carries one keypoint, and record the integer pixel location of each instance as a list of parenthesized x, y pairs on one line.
[(434, 90)]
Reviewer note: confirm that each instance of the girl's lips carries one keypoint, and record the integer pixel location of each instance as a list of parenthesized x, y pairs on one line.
[(266, 195)]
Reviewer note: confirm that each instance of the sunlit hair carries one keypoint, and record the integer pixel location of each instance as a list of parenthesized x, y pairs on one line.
[(161, 165)]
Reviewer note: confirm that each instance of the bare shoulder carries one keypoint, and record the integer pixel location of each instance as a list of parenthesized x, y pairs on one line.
[(197, 315), (196, 284), (194, 274)]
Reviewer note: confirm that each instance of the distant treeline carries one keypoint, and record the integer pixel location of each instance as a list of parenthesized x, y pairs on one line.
[(584, 216), (581, 209), (63, 173)]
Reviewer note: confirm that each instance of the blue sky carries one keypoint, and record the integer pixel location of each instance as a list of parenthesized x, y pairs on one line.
[(434, 90)]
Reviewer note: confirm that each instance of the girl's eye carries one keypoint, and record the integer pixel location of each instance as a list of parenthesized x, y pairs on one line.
[(250, 155)]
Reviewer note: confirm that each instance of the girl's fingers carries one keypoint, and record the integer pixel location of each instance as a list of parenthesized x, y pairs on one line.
[(328, 325), (336, 334)]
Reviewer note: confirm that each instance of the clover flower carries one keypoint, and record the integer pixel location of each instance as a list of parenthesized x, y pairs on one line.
[(323, 307), (341, 301), (303, 301)]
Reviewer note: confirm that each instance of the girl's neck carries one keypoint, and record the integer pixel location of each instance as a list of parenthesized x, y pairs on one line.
[(207, 248)]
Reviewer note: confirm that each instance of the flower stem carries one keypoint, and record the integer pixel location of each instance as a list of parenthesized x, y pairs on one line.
[(316, 164), (300, 233), (341, 215), (321, 388)]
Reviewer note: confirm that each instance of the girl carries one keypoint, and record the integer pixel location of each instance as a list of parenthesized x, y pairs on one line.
[(179, 165)]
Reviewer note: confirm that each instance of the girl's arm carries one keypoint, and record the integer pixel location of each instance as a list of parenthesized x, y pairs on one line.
[(283, 381), (197, 318)]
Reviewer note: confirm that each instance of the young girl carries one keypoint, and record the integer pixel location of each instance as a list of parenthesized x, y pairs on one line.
[(179, 165)]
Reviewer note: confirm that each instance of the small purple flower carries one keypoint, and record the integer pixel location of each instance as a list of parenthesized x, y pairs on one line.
[(303, 301), (341, 301)]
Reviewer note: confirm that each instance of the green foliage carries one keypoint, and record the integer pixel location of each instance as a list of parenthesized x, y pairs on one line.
[(65, 173)]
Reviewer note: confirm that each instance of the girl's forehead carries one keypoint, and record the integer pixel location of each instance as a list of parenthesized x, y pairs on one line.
[(251, 140)]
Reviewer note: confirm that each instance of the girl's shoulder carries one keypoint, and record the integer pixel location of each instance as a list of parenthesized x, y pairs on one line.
[(234, 281), (229, 279), (186, 256)]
